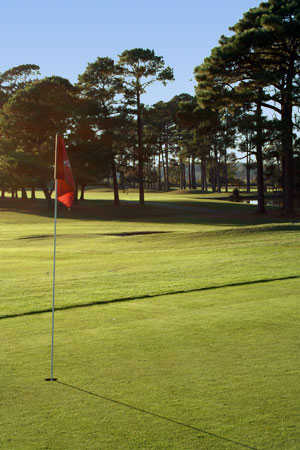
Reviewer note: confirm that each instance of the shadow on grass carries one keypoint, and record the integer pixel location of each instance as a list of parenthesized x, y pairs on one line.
[(209, 212), (122, 234), (196, 235), (142, 297), (150, 413)]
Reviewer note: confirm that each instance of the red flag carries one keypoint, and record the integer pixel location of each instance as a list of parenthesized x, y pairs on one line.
[(64, 176)]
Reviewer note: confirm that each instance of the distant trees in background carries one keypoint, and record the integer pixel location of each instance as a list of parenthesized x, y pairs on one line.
[(244, 114), (258, 67)]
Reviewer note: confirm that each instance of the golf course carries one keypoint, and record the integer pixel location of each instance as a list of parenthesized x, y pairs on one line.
[(176, 324)]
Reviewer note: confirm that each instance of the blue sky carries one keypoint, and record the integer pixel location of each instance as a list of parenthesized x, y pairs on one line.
[(62, 37)]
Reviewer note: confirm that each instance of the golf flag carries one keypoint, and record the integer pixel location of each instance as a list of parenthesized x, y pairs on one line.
[(63, 175), (64, 192)]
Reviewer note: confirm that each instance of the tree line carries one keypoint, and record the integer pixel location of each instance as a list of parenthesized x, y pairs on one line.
[(109, 132)]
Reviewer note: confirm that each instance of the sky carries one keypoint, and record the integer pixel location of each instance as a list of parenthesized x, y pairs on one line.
[(62, 37)]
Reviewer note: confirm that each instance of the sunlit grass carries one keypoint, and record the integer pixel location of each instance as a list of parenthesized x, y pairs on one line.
[(204, 353)]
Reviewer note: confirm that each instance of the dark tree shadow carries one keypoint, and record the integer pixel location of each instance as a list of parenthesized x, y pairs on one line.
[(122, 234), (146, 296), (207, 212)]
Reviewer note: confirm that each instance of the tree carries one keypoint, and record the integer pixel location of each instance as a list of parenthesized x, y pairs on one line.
[(31, 118), (101, 83), (141, 67), (90, 157), (160, 127), (16, 78), (264, 53), (206, 142), (12, 160)]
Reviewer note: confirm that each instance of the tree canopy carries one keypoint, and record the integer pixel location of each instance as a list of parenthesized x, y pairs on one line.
[(246, 100)]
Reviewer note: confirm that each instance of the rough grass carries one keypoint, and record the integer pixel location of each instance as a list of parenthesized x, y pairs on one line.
[(202, 351)]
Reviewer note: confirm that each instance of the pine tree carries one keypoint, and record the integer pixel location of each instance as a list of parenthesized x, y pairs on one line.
[(141, 67), (264, 52)]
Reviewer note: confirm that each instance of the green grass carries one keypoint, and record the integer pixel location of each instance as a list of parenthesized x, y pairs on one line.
[(202, 353)]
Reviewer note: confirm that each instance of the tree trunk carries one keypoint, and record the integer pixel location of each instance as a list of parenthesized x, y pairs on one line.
[(166, 169), (148, 178), (48, 198), (76, 193), (159, 170), (140, 151), (2, 193), (288, 158), (190, 174), (46, 193), (83, 186), (193, 170), (115, 182), (203, 175), (32, 193), (217, 171), (226, 170), (212, 178), (14, 194), (282, 172), (182, 176), (122, 180), (248, 173), (24, 194), (259, 157)]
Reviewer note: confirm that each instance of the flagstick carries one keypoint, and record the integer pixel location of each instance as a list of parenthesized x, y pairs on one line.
[(54, 263), (53, 285)]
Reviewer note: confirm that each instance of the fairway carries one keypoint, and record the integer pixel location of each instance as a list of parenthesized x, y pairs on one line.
[(176, 326)]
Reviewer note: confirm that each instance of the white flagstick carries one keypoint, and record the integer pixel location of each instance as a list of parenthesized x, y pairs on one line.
[(54, 261)]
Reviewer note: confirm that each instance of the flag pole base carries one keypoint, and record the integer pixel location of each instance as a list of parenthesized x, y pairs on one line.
[(50, 379)]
